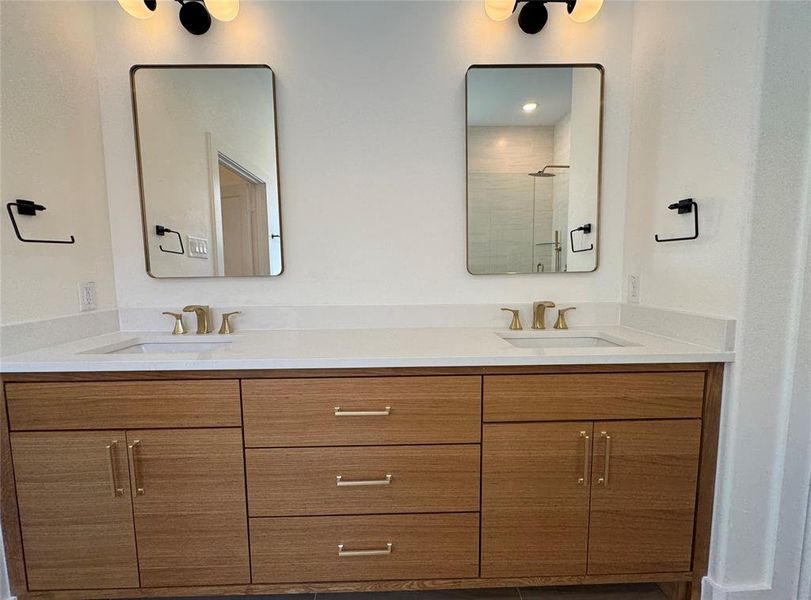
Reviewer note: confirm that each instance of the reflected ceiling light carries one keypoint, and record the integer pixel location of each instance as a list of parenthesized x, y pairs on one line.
[(530, 107), (140, 9), (499, 10), (534, 15), (195, 15)]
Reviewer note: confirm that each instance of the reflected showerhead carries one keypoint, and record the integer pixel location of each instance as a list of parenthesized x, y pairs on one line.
[(543, 173)]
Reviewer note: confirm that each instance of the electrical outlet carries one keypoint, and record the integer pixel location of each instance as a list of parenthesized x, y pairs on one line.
[(87, 296), (634, 288)]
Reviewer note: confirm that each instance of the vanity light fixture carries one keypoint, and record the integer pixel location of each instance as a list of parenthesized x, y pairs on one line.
[(530, 107), (533, 15), (195, 15)]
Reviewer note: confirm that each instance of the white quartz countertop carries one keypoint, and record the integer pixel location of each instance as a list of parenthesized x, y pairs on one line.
[(357, 348)]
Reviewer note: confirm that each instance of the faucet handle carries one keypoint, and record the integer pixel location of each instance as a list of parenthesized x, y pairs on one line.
[(515, 324), (226, 328), (561, 323), (178, 328)]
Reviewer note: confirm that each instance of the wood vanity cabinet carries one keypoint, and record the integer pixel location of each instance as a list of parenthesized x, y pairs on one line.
[(125, 485), (84, 498), (588, 498)]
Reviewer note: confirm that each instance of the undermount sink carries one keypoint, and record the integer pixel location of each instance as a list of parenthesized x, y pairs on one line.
[(168, 346), (563, 340)]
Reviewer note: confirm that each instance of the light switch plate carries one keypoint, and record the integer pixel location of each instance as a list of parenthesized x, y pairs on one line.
[(87, 296), (198, 247)]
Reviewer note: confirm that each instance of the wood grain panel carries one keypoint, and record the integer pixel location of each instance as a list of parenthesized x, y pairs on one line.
[(349, 372), (642, 519), (302, 481), (535, 499), (290, 549), (123, 405), (710, 427), (191, 520), (592, 396), (424, 410), (9, 515), (77, 534)]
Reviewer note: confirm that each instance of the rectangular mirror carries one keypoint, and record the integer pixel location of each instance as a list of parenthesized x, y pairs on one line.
[(533, 168), (207, 163)]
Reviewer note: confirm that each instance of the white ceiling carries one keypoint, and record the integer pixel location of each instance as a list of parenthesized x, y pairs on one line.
[(496, 96)]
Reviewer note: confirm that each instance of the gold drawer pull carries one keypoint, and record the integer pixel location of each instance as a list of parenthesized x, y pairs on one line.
[(362, 413), (604, 479), (111, 451), (340, 482), (586, 458), (349, 553), (136, 467)]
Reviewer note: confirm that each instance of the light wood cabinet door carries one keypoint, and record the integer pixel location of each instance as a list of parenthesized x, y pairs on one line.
[(535, 499), (643, 496), (75, 510), (190, 510)]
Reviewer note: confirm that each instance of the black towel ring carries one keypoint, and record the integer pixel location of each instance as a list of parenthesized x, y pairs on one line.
[(161, 230), (683, 207), (29, 208), (586, 229)]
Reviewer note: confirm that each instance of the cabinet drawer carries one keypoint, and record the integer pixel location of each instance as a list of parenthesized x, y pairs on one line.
[(291, 549), (374, 480), (592, 396), (123, 405), (361, 411)]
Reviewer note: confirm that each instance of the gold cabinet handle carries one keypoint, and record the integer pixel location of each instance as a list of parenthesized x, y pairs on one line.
[(586, 458), (341, 482), (112, 447), (349, 553), (339, 412), (604, 479), (136, 466)]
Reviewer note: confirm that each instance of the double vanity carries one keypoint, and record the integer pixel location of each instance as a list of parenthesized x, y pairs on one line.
[(144, 465)]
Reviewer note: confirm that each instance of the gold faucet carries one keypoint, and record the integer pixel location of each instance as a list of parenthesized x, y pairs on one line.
[(561, 321), (515, 324), (203, 317), (539, 313)]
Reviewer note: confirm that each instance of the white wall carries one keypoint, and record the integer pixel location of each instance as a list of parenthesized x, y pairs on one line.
[(52, 154), (371, 145), (766, 464), (696, 80), (721, 113), (584, 134)]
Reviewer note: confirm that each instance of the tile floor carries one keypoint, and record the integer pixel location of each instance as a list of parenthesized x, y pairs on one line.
[(602, 592)]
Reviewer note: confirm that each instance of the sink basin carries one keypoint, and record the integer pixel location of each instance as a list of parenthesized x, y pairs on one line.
[(563, 340), (167, 346)]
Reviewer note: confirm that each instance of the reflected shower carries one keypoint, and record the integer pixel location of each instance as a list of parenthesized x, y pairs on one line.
[(543, 173)]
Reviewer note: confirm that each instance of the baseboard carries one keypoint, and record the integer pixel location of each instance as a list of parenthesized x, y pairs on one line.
[(712, 590)]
